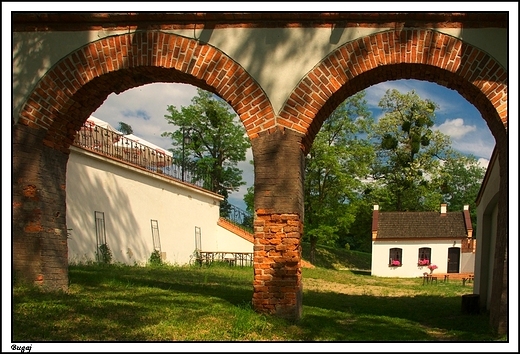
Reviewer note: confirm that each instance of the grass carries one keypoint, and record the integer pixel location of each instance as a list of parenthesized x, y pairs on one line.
[(213, 303), (334, 258)]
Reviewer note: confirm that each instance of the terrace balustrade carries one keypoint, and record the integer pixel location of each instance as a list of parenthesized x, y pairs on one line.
[(113, 144)]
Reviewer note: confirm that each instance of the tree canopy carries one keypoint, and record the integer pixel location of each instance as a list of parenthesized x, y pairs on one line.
[(335, 167), (210, 140), (401, 162)]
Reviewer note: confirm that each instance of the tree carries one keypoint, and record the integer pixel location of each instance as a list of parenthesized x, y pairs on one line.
[(409, 152), (459, 183), (334, 169), (210, 140), (124, 128), (249, 200), (411, 176)]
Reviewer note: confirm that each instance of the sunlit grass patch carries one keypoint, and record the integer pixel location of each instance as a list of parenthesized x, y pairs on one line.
[(213, 303)]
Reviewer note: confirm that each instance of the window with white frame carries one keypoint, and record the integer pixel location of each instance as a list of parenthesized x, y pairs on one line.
[(396, 257), (425, 256), (155, 235)]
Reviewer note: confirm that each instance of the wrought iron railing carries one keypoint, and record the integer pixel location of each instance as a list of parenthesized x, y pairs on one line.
[(242, 259), (237, 216), (113, 144)]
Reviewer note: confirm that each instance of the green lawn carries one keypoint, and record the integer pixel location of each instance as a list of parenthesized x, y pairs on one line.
[(213, 303)]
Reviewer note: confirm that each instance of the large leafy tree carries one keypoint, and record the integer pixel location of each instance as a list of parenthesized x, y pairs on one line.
[(210, 140), (409, 152), (416, 168), (334, 169)]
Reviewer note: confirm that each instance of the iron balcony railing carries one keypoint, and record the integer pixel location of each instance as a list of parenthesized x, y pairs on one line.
[(116, 145), (237, 216), (242, 259)]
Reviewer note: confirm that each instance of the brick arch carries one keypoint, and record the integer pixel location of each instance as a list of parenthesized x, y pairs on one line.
[(392, 55), (78, 84)]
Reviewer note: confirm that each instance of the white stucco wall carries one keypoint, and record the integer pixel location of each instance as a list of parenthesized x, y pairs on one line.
[(410, 256), (228, 241), (487, 215), (130, 199)]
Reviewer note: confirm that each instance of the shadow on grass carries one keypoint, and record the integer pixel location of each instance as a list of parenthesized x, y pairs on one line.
[(383, 318), (196, 280), (361, 272), (124, 304), (127, 304)]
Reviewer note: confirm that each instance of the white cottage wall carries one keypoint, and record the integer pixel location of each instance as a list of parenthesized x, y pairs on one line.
[(130, 198), (410, 257)]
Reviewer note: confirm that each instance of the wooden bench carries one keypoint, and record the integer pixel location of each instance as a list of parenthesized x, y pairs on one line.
[(429, 278), (465, 277)]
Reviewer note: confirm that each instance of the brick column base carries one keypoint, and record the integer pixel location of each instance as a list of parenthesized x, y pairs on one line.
[(277, 265)]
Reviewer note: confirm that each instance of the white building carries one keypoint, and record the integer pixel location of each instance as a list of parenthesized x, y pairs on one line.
[(487, 215), (119, 193), (405, 243)]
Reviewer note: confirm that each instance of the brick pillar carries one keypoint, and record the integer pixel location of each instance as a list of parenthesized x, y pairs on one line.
[(40, 254), (278, 224)]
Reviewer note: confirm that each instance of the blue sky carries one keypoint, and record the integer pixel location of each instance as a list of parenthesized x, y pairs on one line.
[(144, 109)]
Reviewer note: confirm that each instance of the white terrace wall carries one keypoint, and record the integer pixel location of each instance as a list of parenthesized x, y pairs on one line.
[(410, 255), (230, 242), (130, 198), (487, 216)]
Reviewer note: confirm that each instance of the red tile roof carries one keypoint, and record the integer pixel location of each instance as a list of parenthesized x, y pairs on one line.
[(420, 225)]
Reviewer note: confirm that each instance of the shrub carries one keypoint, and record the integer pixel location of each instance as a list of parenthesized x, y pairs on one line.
[(104, 254), (155, 258)]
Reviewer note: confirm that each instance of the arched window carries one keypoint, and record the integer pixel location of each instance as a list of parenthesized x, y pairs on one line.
[(396, 256), (425, 256)]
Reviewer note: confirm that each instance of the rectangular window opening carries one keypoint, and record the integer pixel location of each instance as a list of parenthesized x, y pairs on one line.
[(101, 236)]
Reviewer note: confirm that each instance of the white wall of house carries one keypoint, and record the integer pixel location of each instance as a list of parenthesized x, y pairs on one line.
[(230, 242), (410, 257), (130, 198), (467, 262), (487, 215)]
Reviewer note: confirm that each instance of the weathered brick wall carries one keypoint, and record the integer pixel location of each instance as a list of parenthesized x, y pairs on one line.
[(39, 227), (279, 171)]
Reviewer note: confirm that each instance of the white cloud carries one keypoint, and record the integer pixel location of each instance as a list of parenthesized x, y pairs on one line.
[(467, 138), (144, 108), (455, 128), (483, 162), (474, 146)]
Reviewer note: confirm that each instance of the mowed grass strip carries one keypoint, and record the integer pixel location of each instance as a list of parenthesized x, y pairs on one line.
[(213, 303)]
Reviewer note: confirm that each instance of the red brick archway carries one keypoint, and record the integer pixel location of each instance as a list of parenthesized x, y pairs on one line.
[(78, 84), (392, 55), (418, 54), (63, 100)]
